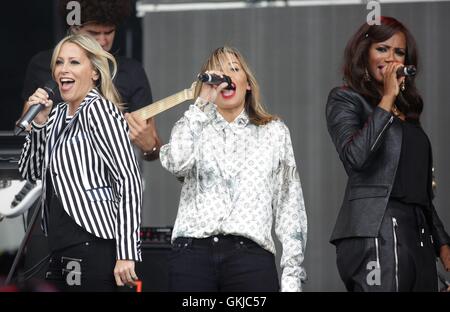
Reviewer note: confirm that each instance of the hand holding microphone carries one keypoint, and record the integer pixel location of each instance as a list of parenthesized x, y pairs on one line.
[(394, 75), (214, 79), (38, 107), (213, 83)]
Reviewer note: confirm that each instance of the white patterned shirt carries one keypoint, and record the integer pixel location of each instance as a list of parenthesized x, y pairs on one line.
[(238, 179)]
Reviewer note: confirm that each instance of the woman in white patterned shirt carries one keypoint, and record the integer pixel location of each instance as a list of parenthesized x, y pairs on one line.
[(239, 177)]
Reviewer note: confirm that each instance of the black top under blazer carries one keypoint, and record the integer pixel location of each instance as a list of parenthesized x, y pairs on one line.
[(369, 141)]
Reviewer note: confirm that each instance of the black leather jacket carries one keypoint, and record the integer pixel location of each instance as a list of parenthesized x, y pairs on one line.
[(368, 140)]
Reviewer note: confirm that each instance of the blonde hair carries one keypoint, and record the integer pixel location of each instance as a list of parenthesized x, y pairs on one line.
[(253, 106), (99, 60)]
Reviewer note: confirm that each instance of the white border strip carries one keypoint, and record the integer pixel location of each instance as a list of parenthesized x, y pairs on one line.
[(142, 9)]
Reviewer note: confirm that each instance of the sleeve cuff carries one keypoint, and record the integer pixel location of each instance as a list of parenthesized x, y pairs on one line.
[(151, 155), (36, 126), (204, 106), (382, 112), (199, 115), (291, 284)]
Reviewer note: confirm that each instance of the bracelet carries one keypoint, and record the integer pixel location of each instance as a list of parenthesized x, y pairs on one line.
[(149, 153)]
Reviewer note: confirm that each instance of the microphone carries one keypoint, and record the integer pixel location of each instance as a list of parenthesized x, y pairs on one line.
[(213, 79), (35, 109), (408, 71)]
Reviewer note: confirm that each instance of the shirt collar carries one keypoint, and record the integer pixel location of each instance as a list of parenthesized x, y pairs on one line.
[(239, 122)]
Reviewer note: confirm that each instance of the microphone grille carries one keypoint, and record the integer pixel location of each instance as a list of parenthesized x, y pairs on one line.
[(203, 77), (50, 87), (411, 70)]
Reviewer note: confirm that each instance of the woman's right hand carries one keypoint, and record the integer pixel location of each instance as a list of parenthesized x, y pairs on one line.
[(390, 81), (209, 92), (40, 96), (391, 86)]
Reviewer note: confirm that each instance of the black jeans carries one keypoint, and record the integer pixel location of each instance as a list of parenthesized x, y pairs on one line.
[(88, 266), (401, 258), (221, 263)]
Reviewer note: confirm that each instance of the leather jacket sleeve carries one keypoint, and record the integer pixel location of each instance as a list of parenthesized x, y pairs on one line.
[(440, 236), (355, 136), (438, 232)]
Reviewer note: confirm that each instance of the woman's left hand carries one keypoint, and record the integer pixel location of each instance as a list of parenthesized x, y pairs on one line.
[(444, 254), (142, 133), (124, 273)]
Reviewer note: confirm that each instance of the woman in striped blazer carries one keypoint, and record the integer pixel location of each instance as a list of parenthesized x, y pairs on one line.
[(92, 189)]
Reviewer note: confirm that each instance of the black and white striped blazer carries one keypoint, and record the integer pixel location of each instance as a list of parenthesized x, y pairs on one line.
[(93, 168)]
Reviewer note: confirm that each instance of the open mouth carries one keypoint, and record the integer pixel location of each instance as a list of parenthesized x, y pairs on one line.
[(229, 91), (66, 83)]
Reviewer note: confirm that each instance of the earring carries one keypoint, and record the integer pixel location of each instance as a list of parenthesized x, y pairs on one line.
[(366, 75), (403, 86)]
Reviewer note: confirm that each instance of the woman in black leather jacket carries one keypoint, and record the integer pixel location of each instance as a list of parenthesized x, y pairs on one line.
[(387, 232)]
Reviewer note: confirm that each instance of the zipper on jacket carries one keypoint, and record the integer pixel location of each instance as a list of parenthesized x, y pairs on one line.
[(422, 233), (394, 232), (377, 253), (391, 120)]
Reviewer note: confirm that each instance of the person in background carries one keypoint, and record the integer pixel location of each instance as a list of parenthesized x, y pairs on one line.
[(100, 19)]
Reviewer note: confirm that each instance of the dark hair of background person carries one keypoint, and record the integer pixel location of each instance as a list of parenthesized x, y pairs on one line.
[(40, 26), (356, 60), (105, 12)]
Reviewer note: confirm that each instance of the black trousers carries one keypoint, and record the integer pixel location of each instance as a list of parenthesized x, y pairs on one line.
[(401, 258), (221, 263), (88, 266), (36, 249)]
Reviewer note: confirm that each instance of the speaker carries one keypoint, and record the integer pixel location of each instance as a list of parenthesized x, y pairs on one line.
[(153, 271)]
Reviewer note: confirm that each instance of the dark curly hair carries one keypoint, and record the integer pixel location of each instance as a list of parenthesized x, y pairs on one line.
[(356, 59), (105, 12)]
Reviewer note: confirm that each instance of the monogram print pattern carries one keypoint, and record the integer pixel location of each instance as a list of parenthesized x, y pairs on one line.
[(239, 179)]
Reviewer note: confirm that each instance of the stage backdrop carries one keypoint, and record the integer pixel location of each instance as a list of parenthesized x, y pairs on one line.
[(296, 54)]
